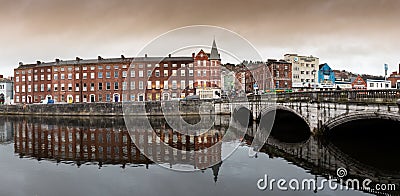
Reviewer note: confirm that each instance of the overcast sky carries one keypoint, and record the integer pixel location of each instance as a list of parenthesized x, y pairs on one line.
[(359, 36)]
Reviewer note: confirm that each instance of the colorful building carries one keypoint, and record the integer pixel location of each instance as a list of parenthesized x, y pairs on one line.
[(326, 76)]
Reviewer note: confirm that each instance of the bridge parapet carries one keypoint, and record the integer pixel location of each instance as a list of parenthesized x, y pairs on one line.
[(389, 96)]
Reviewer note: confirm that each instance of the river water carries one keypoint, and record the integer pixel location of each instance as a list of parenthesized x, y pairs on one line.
[(47, 156)]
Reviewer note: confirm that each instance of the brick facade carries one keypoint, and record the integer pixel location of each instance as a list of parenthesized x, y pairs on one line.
[(117, 79)]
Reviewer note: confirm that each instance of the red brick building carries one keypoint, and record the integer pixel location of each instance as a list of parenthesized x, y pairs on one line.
[(117, 79), (359, 84), (394, 78)]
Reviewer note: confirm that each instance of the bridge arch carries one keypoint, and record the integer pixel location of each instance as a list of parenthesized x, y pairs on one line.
[(243, 115), (354, 116), (287, 124)]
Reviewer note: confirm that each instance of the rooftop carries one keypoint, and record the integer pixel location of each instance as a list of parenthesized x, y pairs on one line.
[(123, 59)]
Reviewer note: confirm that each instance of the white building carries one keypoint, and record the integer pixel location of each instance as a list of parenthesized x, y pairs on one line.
[(6, 131), (6, 91), (378, 84), (304, 70)]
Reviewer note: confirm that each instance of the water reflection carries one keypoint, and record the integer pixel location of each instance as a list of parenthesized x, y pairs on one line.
[(103, 141)]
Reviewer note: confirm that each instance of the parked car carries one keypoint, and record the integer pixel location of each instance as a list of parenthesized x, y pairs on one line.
[(47, 101), (192, 98)]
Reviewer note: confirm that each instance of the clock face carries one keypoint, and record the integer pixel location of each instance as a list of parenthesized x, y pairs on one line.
[(296, 59)]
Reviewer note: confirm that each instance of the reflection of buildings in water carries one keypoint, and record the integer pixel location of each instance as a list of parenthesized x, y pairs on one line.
[(6, 131), (113, 146)]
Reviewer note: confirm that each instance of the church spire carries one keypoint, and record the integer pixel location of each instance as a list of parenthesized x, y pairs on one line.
[(214, 52)]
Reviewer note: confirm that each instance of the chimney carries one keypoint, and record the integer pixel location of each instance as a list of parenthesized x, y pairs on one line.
[(99, 58), (78, 59), (38, 62), (145, 55), (122, 57), (57, 60), (20, 63), (169, 55), (399, 67), (1, 76), (193, 55)]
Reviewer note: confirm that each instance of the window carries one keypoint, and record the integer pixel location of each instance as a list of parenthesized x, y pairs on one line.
[(108, 97), (174, 84), (108, 67), (157, 73), (77, 87), (124, 66), (35, 87), (55, 76), (108, 85), (42, 77), (148, 65), (190, 72), (190, 84), (140, 74), (55, 87), (165, 73), (204, 63), (100, 75), (99, 67), (132, 73), (140, 84), (77, 76), (148, 73), (29, 88), (84, 87), (100, 97), (35, 78), (91, 86), (115, 74), (157, 65), (123, 85), (157, 84), (116, 85), (100, 86), (149, 85), (69, 87), (42, 87), (174, 72), (190, 64), (140, 65), (91, 75), (70, 76), (183, 72), (183, 86), (85, 68), (23, 88), (204, 72), (174, 65), (183, 65), (124, 74), (92, 68), (133, 85), (165, 84), (165, 65), (132, 97), (84, 75), (108, 74), (371, 85), (198, 73), (23, 78)]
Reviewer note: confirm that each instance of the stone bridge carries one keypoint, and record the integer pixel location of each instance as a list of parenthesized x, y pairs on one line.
[(321, 111)]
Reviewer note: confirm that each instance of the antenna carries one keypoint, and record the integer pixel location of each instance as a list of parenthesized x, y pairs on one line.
[(386, 68)]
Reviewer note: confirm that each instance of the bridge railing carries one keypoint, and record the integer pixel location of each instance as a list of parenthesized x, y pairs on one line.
[(362, 96)]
